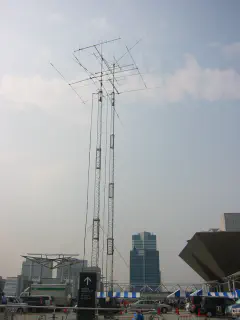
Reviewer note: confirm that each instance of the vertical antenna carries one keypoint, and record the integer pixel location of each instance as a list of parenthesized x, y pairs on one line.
[(99, 76), (105, 189), (107, 75), (110, 236), (97, 186)]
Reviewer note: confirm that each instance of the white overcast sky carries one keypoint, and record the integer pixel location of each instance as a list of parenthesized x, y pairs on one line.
[(177, 149)]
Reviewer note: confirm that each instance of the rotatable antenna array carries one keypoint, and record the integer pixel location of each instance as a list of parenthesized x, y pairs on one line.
[(107, 80)]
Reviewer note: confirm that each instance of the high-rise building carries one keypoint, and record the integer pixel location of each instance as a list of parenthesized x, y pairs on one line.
[(230, 222), (33, 270), (144, 261), (71, 271), (11, 286)]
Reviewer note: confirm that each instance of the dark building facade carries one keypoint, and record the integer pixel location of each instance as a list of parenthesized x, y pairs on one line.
[(213, 255), (144, 262)]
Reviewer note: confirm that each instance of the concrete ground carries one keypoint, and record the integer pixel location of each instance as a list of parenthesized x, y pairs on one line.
[(72, 316)]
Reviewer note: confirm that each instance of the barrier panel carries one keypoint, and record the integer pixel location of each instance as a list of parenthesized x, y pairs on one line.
[(18, 312), (186, 317)]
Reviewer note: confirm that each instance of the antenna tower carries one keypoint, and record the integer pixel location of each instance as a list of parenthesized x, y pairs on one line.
[(105, 70), (110, 238), (108, 82)]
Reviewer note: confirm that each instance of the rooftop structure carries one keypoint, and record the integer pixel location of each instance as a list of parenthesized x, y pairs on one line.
[(213, 255), (230, 222)]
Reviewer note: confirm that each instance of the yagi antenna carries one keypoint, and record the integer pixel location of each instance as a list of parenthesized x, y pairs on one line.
[(67, 82), (98, 44), (129, 49), (136, 67)]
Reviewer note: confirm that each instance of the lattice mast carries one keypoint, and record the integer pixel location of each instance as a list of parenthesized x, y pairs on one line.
[(100, 77), (110, 235), (97, 185), (109, 73)]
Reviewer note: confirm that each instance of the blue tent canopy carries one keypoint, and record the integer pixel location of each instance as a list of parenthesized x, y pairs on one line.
[(196, 293), (124, 294), (175, 294), (188, 294), (231, 295)]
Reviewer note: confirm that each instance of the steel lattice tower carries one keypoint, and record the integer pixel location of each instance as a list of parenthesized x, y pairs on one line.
[(97, 185), (110, 74), (110, 235)]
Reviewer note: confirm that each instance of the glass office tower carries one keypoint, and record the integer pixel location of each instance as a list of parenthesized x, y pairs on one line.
[(144, 261)]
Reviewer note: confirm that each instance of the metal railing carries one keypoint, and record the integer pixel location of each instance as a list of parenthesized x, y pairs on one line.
[(153, 287), (28, 312), (11, 312)]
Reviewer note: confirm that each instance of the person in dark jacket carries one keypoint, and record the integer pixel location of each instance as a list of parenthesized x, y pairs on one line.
[(4, 299), (139, 315)]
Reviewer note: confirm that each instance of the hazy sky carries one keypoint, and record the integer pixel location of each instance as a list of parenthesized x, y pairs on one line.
[(177, 150)]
